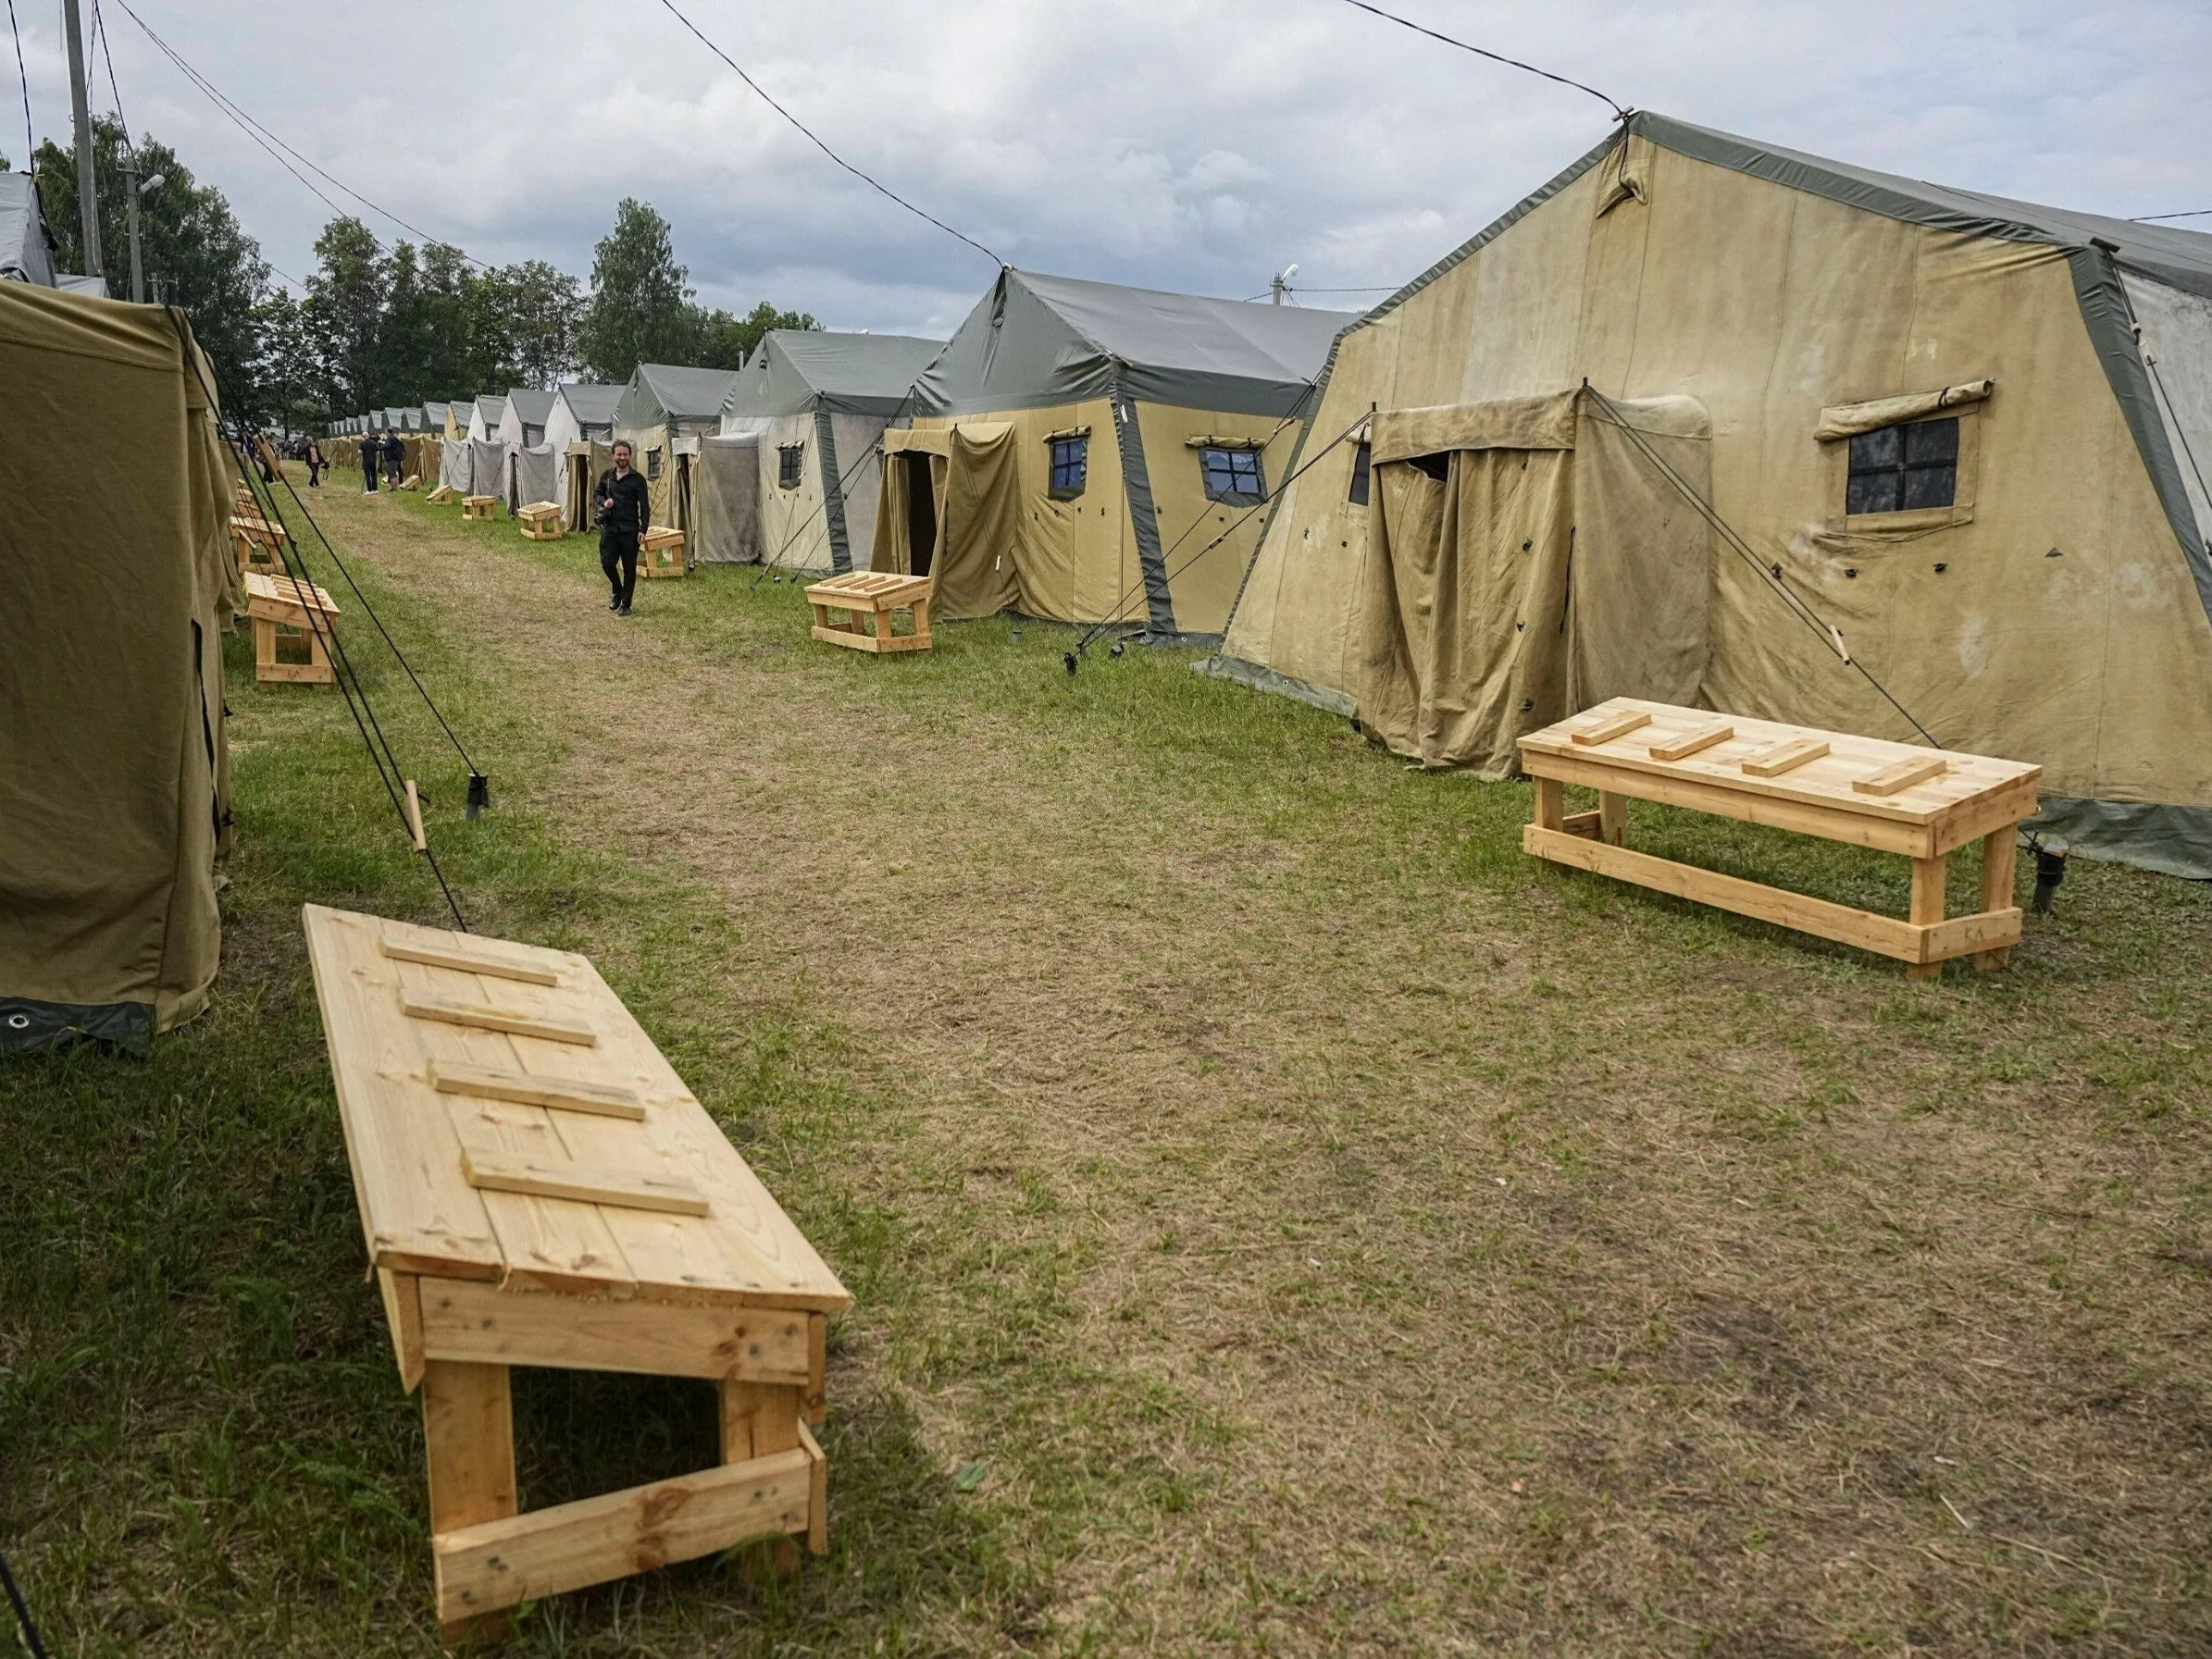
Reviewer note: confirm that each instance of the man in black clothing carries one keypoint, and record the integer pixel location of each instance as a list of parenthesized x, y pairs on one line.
[(624, 508), (395, 459), (370, 450)]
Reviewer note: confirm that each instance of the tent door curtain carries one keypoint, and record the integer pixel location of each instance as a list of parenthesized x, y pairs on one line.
[(1525, 563), (920, 490), (976, 504)]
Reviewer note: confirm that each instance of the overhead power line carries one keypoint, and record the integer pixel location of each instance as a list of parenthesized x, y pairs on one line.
[(278, 150), (1513, 63), (880, 188), (2152, 218)]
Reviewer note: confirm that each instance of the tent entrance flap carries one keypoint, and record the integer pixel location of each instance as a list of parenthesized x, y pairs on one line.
[(976, 505), (1527, 561)]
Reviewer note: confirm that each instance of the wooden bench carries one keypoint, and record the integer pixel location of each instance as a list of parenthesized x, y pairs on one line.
[(288, 614), (440, 496), (866, 594), (660, 553), (542, 522), (477, 506), (259, 543), (538, 1188), (1922, 803)]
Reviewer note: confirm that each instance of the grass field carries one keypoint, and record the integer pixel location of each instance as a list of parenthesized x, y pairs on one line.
[(1282, 1219)]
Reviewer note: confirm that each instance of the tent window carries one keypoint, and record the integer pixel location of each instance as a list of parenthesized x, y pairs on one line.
[(1899, 469), (1362, 474), (790, 458), (1070, 467), (652, 463), (1232, 475)]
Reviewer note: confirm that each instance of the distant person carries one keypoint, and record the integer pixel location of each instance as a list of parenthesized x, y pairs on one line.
[(370, 451), (624, 508), (395, 459), (261, 455), (313, 455)]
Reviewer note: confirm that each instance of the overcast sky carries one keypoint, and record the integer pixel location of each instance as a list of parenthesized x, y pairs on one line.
[(1185, 145)]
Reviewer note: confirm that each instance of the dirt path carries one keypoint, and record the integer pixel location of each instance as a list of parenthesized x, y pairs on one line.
[(1512, 1268)]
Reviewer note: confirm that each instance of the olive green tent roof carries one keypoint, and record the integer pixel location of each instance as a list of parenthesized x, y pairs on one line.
[(1037, 341), (590, 402), (661, 392), (793, 371)]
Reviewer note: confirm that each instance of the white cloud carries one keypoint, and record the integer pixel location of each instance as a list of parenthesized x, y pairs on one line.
[(1164, 143)]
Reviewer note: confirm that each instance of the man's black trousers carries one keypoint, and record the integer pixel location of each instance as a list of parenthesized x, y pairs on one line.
[(368, 475), (618, 558)]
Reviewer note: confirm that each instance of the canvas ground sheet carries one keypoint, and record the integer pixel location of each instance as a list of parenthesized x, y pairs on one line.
[(2050, 613), (114, 772)]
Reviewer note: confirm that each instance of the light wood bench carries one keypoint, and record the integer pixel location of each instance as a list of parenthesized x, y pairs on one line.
[(259, 543), (865, 594), (288, 614), (1922, 803), (537, 1187), (661, 551), (440, 496), (542, 522), (477, 506)]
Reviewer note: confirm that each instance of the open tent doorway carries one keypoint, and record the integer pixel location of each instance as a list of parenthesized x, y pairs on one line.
[(921, 512)]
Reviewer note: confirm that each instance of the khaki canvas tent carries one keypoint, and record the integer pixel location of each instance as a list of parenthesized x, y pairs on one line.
[(1925, 412), (794, 477), (114, 774), (664, 412), (1088, 452), (582, 415)]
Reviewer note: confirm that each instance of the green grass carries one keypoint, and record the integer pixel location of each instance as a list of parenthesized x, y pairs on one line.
[(1679, 1246)]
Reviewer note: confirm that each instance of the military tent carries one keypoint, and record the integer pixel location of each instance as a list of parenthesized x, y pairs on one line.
[(582, 412), (523, 424), (485, 417), (800, 435), (114, 774), (1000, 495), (1926, 414), (26, 256), (664, 412)]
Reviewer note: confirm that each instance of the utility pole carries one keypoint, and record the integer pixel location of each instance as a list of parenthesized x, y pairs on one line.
[(1279, 284), (88, 190), (138, 269)]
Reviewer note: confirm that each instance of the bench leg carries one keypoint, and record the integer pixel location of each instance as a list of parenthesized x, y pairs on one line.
[(1928, 879), (1552, 803), (759, 1418), (468, 1435), (1998, 849), (1613, 818)]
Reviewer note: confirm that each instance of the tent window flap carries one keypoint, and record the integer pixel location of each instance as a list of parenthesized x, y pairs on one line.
[(790, 458)]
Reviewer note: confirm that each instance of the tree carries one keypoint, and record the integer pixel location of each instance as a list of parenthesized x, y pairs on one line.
[(288, 372), (641, 309), (346, 314), (526, 322), (725, 341), (195, 255)]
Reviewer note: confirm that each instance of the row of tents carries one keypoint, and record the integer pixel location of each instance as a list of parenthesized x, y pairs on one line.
[(1700, 419)]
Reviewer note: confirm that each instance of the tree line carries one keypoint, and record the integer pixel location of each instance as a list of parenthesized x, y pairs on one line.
[(383, 326)]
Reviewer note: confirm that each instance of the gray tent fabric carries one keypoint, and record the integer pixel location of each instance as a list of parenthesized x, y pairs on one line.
[(589, 408), (24, 254), (1144, 521), (534, 474), (797, 371), (726, 501), (453, 466), (487, 468), (1036, 342), (94, 285), (531, 405)]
